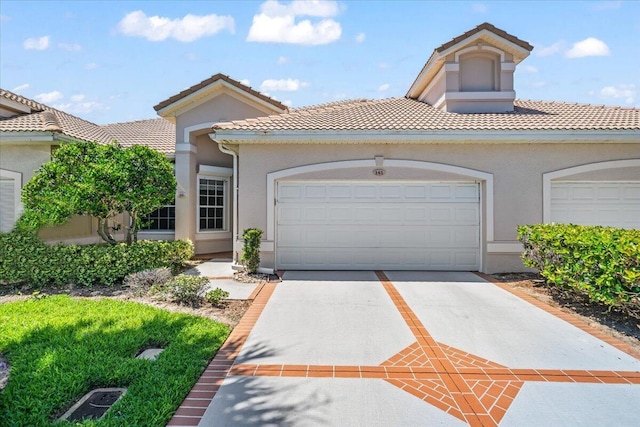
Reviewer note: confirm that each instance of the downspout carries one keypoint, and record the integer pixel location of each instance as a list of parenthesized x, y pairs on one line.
[(233, 153)]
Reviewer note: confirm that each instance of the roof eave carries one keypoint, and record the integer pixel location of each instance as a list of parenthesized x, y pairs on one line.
[(26, 137), (408, 136)]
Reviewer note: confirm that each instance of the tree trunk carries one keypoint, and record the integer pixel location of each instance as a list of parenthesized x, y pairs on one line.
[(132, 231), (103, 231)]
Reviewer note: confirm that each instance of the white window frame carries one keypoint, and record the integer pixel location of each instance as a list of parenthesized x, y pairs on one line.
[(17, 191), (219, 174)]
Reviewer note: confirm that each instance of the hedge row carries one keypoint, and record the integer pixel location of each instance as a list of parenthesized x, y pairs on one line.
[(26, 258), (600, 262)]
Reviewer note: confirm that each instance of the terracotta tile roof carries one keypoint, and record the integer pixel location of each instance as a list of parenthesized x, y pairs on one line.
[(485, 26), (155, 133), (407, 114), (52, 120), (34, 105), (213, 79)]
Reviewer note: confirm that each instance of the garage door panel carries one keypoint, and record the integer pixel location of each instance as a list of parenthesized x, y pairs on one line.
[(631, 193), (380, 225), (362, 236), (371, 259), (614, 204)]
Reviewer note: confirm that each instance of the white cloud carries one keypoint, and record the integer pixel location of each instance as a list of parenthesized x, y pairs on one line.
[(71, 47), (36, 43), (622, 91), (77, 98), (20, 88), (283, 60), (282, 85), (530, 69), (49, 97), (550, 50), (245, 82), (479, 8), (317, 8), (85, 107), (287, 102), (588, 47), (361, 37), (383, 87), (276, 23), (91, 66), (383, 65), (157, 28)]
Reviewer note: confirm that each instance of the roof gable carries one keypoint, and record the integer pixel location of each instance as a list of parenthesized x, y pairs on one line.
[(207, 89)]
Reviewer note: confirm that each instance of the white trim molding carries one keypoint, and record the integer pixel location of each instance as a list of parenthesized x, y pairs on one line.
[(193, 128), (423, 137), (483, 48), (485, 177), (215, 171), (185, 147), (590, 167)]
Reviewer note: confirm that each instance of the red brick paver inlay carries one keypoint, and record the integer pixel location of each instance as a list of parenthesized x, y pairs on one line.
[(473, 389), (195, 404)]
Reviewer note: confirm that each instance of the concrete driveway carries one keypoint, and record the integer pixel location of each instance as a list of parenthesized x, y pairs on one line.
[(410, 349)]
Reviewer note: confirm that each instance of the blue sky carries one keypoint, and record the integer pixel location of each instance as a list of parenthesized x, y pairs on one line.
[(112, 61)]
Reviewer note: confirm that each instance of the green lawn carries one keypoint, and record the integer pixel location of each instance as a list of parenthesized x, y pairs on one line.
[(60, 347)]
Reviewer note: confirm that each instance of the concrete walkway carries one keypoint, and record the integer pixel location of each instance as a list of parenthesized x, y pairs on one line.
[(411, 349), (220, 274)]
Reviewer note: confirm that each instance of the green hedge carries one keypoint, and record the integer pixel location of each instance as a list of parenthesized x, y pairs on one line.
[(600, 262), (26, 258)]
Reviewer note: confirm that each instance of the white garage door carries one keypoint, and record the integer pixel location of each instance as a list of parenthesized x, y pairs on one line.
[(613, 204), (368, 226), (7, 204)]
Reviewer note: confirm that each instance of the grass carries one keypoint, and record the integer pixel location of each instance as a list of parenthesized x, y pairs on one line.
[(61, 347)]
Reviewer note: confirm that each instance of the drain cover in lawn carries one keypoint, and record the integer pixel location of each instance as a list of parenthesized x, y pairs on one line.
[(94, 404)]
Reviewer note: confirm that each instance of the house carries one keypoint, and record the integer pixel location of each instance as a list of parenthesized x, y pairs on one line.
[(438, 179), (30, 131)]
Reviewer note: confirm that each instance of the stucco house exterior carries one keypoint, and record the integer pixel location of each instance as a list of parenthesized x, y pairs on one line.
[(438, 179), (30, 131)]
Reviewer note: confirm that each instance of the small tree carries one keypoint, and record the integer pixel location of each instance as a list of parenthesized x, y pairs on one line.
[(84, 178), (148, 185), (251, 249)]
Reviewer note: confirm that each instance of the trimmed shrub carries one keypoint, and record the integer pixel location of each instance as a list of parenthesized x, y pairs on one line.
[(602, 263), (26, 258), (215, 296), (251, 249), (141, 282), (183, 289)]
